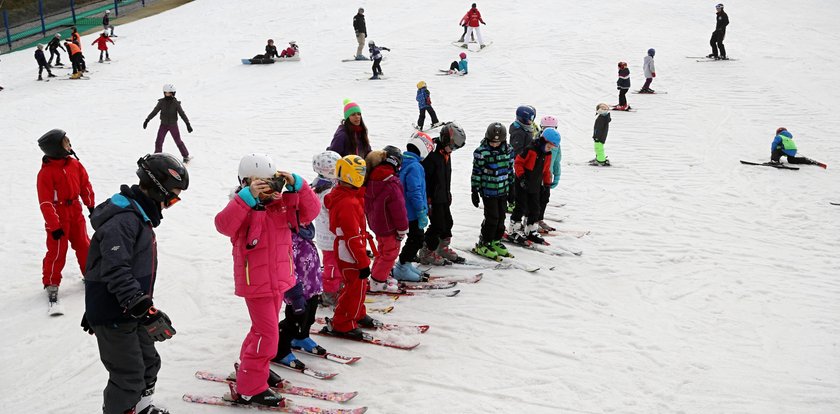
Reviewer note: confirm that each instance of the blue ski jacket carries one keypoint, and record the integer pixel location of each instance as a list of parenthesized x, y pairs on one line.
[(413, 178)]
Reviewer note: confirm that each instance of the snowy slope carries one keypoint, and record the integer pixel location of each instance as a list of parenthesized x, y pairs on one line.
[(705, 286)]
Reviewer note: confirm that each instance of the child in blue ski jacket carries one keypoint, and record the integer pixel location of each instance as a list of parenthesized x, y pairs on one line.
[(424, 103), (413, 178), (549, 121), (783, 145)]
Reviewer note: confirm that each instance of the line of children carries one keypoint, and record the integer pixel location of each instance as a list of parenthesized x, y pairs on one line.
[(492, 176), (623, 85), (376, 57), (599, 134), (170, 109), (262, 210), (546, 122), (460, 67), (424, 103), (102, 45), (533, 172), (650, 71), (42, 63), (324, 165), (413, 178)]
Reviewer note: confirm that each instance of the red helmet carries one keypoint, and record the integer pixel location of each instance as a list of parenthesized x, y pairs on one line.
[(463, 55), (778, 131)]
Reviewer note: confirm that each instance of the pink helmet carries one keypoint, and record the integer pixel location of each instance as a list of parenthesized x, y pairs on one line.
[(463, 55), (548, 121)]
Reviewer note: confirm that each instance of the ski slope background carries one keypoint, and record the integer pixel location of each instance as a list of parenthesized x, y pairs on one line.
[(705, 285)]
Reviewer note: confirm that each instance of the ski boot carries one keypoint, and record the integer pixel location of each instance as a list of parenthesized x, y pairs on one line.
[(76, 75), (52, 293), (501, 249), (424, 276), (267, 398), (431, 257), (145, 406), (388, 286), (511, 205), (308, 345), (534, 235), (40, 78), (604, 163), (369, 322), (486, 250), (187, 159), (107, 59), (544, 227), (356, 333), (274, 379), (447, 253), (374, 77), (100, 60), (59, 64), (50, 75), (290, 361), (403, 272), (361, 57)]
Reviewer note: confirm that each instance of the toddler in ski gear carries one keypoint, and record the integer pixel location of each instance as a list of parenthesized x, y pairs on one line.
[(459, 66), (471, 20), (438, 169), (385, 213), (650, 71), (102, 44), (324, 165), (783, 145), (347, 221), (264, 210), (62, 182), (290, 51), (599, 134), (492, 176), (120, 283), (53, 46), (351, 137), (623, 85), (533, 172), (376, 57), (42, 62), (413, 178), (546, 122), (170, 109), (424, 102)]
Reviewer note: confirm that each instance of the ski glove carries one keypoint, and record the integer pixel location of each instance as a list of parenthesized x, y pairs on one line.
[(555, 182), (475, 198), (653, 74), (140, 305), (57, 234), (85, 325), (364, 273), (422, 220), (295, 299), (189, 128), (158, 325), (145, 124), (90, 210)]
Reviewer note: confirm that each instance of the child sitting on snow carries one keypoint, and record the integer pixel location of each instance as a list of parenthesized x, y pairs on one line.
[(290, 51), (459, 67)]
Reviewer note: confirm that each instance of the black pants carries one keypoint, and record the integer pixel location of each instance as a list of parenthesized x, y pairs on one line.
[(295, 326), (453, 65), (422, 118), (493, 226), (413, 242), (54, 52), (717, 43), (377, 70), (105, 52), (622, 96), (41, 70), (527, 206), (440, 225), (132, 361), (778, 153), (545, 194)]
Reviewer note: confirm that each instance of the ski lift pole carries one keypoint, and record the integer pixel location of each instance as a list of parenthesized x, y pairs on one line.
[(6, 25), (41, 12), (73, 10)]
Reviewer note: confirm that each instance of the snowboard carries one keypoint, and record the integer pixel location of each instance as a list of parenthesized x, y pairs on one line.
[(639, 92)]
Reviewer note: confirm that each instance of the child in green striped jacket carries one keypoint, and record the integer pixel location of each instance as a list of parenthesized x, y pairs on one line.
[(492, 176)]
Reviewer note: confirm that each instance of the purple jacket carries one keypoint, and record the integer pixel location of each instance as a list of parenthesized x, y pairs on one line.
[(342, 145), (385, 203), (307, 262)]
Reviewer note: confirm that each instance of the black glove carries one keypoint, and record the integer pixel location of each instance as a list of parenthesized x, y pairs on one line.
[(85, 325), (90, 211), (475, 198), (189, 128), (295, 299), (57, 234), (364, 273), (521, 184), (139, 306), (145, 124), (158, 325)]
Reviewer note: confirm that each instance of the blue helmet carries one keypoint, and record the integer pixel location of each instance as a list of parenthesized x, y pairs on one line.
[(526, 114), (651, 52), (552, 136)]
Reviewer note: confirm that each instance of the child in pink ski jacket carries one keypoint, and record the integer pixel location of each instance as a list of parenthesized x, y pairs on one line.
[(258, 220), (386, 215)]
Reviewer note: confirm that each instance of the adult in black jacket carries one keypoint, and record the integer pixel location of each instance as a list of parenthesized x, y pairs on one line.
[(720, 32), (120, 283), (361, 32), (53, 46)]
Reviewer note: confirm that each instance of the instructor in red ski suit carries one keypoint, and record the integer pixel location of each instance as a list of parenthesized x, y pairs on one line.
[(61, 182)]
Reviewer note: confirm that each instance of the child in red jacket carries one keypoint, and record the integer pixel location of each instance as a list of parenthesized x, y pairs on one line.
[(102, 42), (532, 168), (290, 51), (346, 205), (61, 181)]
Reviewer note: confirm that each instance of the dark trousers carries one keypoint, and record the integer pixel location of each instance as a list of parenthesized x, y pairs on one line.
[(176, 136), (422, 118), (413, 242), (41, 70), (622, 96), (105, 52), (377, 70), (778, 153), (132, 361), (295, 326), (647, 83), (527, 206), (76, 60), (493, 226), (545, 194), (453, 65), (440, 225), (54, 52), (717, 43)]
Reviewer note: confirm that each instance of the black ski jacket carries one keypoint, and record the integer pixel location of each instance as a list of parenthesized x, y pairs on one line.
[(438, 177), (722, 21), (602, 127), (54, 44), (359, 24)]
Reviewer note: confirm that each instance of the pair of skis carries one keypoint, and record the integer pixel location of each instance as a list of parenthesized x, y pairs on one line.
[(784, 166)]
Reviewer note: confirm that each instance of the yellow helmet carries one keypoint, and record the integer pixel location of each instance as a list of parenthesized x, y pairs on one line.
[(351, 169), (421, 84)]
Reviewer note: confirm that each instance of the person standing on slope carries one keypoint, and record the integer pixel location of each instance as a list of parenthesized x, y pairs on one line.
[(361, 32), (717, 36), (492, 177), (102, 45), (376, 57), (623, 85), (413, 178), (546, 122), (351, 137), (106, 23), (53, 46), (42, 63), (170, 109), (472, 19), (521, 132), (599, 134), (424, 102), (650, 71)]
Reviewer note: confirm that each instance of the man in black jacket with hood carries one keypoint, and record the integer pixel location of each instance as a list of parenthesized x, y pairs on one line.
[(720, 32)]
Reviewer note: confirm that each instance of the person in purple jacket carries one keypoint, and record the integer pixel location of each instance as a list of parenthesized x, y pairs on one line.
[(351, 137), (386, 215)]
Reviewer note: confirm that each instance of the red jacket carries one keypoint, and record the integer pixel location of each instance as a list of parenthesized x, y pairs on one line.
[(60, 184), (472, 18), (103, 42), (524, 164), (347, 221), (385, 202)]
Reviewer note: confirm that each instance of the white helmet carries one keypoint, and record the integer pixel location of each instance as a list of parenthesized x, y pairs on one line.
[(58, 35), (168, 87), (107, 11), (105, 33), (256, 165), (423, 142), (324, 164)]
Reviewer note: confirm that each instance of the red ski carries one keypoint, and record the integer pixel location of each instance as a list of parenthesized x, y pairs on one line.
[(288, 407), (388, 326), (368, 338), (287, 388)]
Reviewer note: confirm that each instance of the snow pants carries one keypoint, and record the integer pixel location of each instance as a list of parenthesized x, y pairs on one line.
[(647, 83), (440, 225), (377, 70), (717, 43), (360, 37), (331, 276), (295, 326), (132, 361), (600, 155), (56, 54), (351, 300), (493, 226), (176, 135), (260, 345), (422, 118), (75, 234), (413, 242), (389, 249), (41, 70), (778, 154), (622, 96), (473, 31), (527, 205), (545, 195)]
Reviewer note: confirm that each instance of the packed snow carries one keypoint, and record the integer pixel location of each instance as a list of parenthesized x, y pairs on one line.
[(705, 286)]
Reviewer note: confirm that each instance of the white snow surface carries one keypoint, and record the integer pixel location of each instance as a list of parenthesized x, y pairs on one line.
[(705, 286)]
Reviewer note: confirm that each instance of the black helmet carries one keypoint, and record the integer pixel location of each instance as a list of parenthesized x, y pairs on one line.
[(393, 156), (496, 132), (160, 174), (452, 135), (52, 143)]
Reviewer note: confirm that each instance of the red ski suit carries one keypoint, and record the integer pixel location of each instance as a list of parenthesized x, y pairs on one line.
[(347, 222), (102, 42), (60, 184), (472, 18)]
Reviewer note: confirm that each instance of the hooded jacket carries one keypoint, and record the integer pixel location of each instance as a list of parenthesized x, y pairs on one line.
[(413, 178), (384, 200), (602, 127), (492, 172), (347, 222), (343, 145)]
